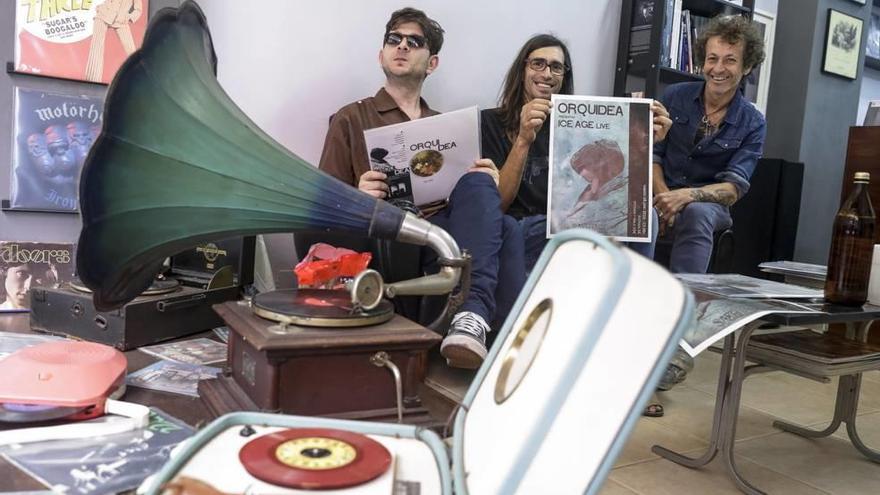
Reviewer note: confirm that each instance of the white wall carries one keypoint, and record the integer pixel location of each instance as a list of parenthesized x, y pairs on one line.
[(291, 64), (766, 5), (870, 91)]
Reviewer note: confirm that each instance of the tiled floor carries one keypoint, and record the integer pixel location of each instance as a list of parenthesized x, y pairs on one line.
[(774, 461)]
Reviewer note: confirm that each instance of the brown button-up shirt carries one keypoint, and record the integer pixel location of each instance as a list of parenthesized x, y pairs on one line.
[(345, 151)]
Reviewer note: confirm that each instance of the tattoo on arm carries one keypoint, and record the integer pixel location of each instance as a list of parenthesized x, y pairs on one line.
[(721, 197)]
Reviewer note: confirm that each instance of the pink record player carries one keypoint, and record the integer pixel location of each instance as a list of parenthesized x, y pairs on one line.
[(64, 381)]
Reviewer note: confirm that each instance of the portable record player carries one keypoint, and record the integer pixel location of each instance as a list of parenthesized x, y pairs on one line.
[(175, 305), (309, 360), (64, 381), (549, 410)]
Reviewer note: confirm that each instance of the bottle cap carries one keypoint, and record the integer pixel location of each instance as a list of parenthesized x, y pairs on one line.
[(863, 176)]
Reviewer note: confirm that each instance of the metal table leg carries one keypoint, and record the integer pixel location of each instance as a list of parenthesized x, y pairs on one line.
[(720, 396), (846, 405), (730, 377), (731, 412)]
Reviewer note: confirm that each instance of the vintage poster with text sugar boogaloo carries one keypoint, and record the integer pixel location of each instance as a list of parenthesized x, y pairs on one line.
[(86, 40), (424, 158), (53, 135), (600, 166)]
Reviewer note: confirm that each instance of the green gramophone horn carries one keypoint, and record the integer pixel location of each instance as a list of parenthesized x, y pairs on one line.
[(178, 163)]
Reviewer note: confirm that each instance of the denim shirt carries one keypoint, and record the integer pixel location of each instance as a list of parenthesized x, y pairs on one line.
[(729, 155)]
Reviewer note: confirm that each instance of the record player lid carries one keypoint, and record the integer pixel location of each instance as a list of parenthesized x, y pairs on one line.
[(570, 371), (63, 373)]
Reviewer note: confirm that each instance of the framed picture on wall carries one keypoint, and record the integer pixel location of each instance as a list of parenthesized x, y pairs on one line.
[(843, 37), (85, 41), (872, 49), (757, 83)]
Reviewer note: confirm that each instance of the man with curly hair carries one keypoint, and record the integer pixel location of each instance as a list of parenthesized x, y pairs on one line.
[(711, 151)]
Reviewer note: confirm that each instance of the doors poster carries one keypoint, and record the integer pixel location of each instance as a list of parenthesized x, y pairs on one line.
[(83, 40), (53, 134)]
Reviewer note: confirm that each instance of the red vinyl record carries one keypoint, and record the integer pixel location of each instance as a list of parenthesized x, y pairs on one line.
[(315, 458)]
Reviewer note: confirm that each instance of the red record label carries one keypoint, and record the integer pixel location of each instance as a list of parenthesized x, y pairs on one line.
[(315, 458)]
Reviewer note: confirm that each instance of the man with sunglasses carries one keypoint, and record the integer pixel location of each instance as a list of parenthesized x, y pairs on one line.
[(472, 215)]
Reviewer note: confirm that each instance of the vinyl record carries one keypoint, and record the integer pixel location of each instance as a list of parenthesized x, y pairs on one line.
[(315, 458), (11, 412), (318, 308), (159, 286)]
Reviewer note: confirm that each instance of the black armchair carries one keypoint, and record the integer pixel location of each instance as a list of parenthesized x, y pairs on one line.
[(764, 222)]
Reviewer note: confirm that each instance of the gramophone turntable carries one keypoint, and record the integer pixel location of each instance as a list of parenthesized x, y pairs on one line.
[(321, 352), (174, 305)]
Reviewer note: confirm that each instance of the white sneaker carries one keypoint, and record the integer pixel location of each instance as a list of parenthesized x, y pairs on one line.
[(465, 343)]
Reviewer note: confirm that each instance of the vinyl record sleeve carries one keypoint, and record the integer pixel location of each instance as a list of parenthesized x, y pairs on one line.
[(424, 158), (101, 465), (24, 265), (600, 166), (53, 135), (83, 40)]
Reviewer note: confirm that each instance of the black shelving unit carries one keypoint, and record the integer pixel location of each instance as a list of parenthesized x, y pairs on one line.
[(643, 71)]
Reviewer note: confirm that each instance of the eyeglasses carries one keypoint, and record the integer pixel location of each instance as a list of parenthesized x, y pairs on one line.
[(539, 64), (413, 41)]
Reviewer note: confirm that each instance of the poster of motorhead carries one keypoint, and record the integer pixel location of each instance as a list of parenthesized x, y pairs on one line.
[(600, 166), (24, 265), (53, 135), (83, 40)]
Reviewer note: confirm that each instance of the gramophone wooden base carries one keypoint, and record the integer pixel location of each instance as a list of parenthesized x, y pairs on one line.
[(222, 396), (320, 371)]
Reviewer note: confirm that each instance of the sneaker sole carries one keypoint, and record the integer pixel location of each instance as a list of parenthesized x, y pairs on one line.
[(462, 352)]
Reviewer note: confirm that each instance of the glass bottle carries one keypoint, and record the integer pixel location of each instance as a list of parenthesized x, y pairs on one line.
[(852, 246)]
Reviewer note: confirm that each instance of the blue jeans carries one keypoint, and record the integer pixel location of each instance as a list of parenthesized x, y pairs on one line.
[(534, 231), (692, 236), (534, 235), (474, 219)]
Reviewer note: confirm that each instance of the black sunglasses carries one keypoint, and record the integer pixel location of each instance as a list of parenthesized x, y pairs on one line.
[(413, 41), (539, 64)]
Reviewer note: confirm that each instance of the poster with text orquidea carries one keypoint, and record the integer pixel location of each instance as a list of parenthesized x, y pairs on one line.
[(84, 40), (600, 166)]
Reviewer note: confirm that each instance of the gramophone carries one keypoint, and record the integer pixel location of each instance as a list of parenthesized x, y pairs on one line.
[(177, 303), (166, 116)]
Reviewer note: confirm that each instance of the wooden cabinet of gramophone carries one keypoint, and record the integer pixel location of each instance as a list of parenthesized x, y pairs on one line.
[(361, 372)]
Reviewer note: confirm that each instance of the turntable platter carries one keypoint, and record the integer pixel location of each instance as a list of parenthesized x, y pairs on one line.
[(315, 458), (159, 286), (318, 308)]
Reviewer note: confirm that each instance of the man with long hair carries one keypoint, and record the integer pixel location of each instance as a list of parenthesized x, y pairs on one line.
[(473, 215), (515, 137)]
